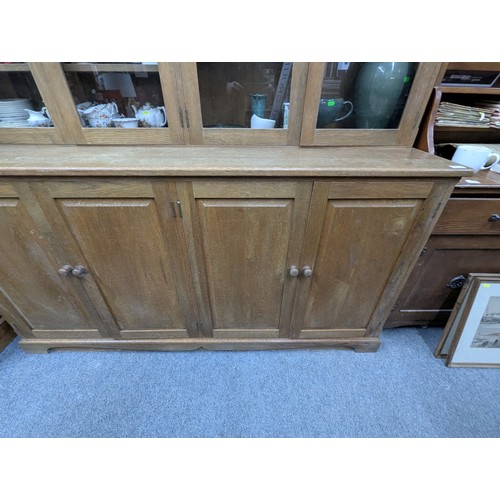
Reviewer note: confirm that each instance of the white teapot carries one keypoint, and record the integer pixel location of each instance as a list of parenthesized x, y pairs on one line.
[(100, 115), (151, 116), (39, 118)]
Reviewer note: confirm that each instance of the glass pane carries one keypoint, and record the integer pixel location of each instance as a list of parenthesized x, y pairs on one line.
[(367, 95), (244, 95), (121, 95), (21, 105)]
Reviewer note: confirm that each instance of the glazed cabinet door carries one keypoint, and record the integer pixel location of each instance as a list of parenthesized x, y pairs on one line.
[(366, 103), (35, 297), (24, 102), (355, 238), (243, 103), (122, 241), (245, 244)]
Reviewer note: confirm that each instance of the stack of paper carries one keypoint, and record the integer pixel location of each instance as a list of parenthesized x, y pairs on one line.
[(494, 107), (457, 115)]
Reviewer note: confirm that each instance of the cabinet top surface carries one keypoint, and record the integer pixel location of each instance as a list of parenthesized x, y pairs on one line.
[(266, 161)]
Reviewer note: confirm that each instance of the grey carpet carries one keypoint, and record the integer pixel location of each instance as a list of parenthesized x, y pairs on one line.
[(399, 391)]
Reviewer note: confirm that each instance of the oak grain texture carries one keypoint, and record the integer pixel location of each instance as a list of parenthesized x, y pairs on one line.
[(365, 344), (125, 244), (248, 234), (211, 161), (29, 270), (430, 211)]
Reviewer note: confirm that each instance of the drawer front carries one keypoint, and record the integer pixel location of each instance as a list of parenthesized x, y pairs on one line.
[(471, 216)]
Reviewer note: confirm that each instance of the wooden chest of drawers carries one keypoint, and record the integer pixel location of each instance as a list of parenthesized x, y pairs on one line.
[(466, 239)]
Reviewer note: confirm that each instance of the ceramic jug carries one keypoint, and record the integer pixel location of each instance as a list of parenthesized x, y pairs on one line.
[(330, 109), (38, 118), (151, 116)]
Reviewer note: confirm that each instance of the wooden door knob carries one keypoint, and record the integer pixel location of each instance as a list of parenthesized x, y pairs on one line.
[(79, 271), (65, 270), (293, 271), (307, 271)]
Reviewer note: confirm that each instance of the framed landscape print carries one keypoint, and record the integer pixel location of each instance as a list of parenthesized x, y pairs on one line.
[(473, 337)]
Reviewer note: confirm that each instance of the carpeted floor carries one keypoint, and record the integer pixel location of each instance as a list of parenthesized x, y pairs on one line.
[(399, 391)]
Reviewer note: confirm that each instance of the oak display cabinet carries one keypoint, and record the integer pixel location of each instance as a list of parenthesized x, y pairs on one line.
[(198, 235), (222, 248), (211, 103)]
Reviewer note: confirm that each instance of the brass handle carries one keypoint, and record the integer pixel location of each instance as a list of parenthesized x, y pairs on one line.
[(307, 271), (494, 218), (79, 271), (293, 271), (65, 270)]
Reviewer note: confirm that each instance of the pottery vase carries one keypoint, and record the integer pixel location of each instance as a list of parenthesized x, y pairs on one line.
[(377, 91)]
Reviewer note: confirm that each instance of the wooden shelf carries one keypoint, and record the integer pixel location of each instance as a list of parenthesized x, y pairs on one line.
[(470, 90), (111, 67), (448, 128), (14, 67)]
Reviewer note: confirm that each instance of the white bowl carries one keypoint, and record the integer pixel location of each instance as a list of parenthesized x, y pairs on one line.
[(99, 122)]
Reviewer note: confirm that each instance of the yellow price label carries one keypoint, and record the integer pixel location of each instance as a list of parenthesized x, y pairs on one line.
[(486, 285)]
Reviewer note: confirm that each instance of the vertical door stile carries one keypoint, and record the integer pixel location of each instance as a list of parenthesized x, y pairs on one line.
[(57, 97), (192, 249), (316, 216), (173, 236), (171, 86), (191, 109), (295, 248)]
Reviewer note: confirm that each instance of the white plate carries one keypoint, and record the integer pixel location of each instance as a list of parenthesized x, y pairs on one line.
[(24, 124)]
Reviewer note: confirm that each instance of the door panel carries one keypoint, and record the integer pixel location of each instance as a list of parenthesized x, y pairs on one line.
[(247, 242), (350, 274), (246, 238), (129, 252), (30, 281), (352, 246)]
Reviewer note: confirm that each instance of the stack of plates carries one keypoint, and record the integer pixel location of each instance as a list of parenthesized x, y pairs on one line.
[(12, 112)]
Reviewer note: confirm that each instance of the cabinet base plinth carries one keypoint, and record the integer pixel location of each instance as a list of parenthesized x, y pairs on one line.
[(36, 346), (7, 335)]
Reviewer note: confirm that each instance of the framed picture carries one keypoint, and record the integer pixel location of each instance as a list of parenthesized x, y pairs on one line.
[(472, 334), (444, 344)]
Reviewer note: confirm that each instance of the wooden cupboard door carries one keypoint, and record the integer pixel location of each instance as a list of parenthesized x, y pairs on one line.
[(35, 298), (124, 234), (354, 240), (246, 235)]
